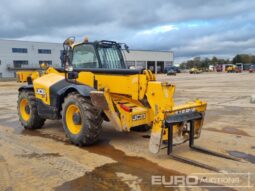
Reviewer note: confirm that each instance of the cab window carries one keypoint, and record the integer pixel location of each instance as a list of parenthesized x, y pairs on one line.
[(110, 57), (84, 56)]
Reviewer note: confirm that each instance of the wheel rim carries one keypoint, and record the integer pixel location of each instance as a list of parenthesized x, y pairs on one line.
[(24, 109), (73, 125)]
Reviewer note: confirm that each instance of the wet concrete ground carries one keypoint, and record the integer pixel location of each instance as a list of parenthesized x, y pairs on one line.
[(44, 160)]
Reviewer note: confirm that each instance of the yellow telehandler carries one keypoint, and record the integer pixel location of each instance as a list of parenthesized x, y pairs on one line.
[(93, 85)]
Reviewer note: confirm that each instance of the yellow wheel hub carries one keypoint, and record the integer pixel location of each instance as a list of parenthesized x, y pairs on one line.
[(73, 119), (24, 109)]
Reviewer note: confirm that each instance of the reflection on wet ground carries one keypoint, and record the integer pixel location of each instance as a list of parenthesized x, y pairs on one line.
[(229, 130), (136, 171), (37, 155), (242, 155), (106, 177)]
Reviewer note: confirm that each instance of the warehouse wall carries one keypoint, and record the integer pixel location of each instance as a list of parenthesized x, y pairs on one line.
[(147, 55), (149, 59), (30, 58)]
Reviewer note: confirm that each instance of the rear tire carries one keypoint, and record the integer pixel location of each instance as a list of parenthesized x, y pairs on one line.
[(82, 122), (27, 110)]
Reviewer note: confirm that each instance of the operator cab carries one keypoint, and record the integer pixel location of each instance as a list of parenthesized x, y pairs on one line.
[(103, 54), (92, 55), (97, 57)]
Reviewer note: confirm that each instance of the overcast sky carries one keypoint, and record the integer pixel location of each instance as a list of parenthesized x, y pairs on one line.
[(188, 27)]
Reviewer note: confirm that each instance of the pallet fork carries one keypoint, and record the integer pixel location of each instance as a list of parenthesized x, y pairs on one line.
[(190, 118)]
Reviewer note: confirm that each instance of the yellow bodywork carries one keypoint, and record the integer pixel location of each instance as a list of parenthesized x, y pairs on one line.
[(231, 68), (195, 71), (43, 84), (128, 101), (22, 76)]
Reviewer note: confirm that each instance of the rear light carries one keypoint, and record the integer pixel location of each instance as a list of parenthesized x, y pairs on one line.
[(126, 108)]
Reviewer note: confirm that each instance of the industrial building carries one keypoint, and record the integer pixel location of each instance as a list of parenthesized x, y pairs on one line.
[(150, 59), (15, 54)]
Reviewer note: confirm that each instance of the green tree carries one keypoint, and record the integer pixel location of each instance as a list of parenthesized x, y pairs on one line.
[(214, 60), (204, 63), (236, 59)]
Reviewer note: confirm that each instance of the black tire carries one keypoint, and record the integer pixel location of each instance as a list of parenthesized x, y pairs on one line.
[(91, 120), (34, 121)]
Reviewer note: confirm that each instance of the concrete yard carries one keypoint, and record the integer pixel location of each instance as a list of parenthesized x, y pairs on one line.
[(44, 160)]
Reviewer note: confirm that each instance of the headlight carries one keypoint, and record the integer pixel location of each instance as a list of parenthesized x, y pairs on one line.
[(69, 68)]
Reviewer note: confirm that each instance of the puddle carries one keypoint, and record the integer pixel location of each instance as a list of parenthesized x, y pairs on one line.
[(52, 130), (223, 110), (40, 133), (229, 130), (235, 131), (242, 155), (37, 155), (105, 177)]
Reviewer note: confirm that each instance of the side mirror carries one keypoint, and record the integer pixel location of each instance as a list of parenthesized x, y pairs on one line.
[(126, 48), (62, 58), (70, 74), (123, 46), (66, 54), (68, 68)]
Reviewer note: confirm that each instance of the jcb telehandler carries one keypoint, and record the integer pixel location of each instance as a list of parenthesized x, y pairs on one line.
[(95, 84)]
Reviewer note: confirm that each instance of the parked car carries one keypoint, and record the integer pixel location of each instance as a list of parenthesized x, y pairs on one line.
[(219, 68), (252, 68), (175, 68), (171, 73)]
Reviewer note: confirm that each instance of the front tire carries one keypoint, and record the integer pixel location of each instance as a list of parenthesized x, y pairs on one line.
[(82, 122), (27, 110)]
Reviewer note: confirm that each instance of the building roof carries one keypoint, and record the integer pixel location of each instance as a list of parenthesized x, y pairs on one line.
[(151, 50), (27, 41)]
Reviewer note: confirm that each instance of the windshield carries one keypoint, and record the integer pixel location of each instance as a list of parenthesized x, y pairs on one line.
[(110, 57), (84, 56)]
